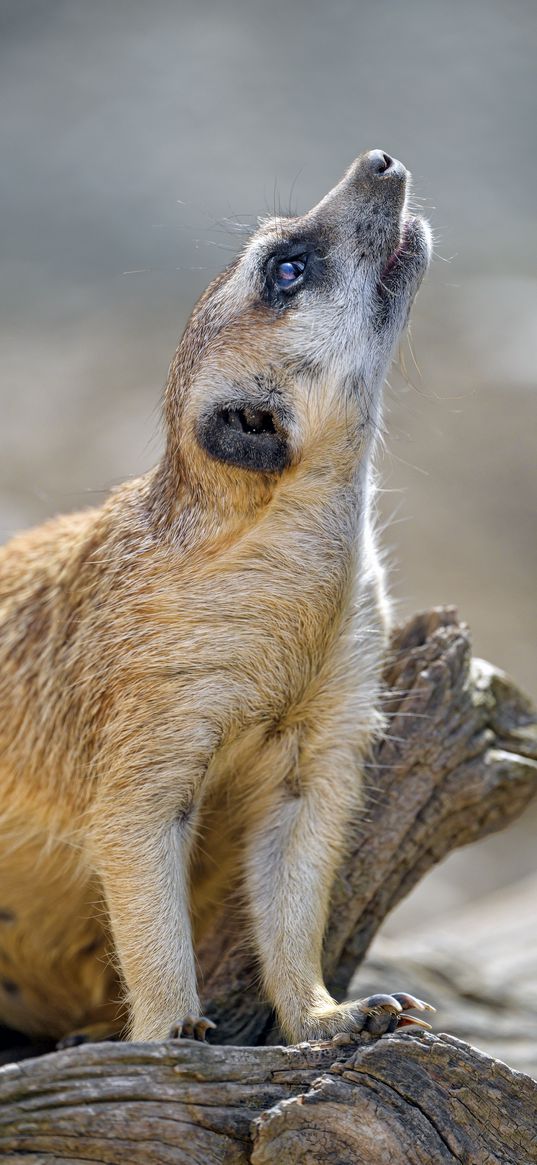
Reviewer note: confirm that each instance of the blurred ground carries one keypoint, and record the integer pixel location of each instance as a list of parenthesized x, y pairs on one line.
[(135, 137)]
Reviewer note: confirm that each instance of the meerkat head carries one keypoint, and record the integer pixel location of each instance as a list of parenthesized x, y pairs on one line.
[(284, 356)]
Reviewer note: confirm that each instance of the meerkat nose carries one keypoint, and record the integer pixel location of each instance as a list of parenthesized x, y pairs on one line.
[(377, 162), (377, 165)]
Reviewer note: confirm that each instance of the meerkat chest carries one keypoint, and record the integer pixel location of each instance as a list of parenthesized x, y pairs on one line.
[(265, 621)]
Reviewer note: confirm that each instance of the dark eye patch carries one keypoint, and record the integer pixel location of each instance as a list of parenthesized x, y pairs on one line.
[(295, 264)]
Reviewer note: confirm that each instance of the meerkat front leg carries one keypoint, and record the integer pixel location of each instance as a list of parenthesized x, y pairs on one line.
[(142, 857), (293, 855)]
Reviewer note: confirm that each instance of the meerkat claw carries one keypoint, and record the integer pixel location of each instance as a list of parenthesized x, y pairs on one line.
[(375, 1003), (192, 1027), (380, 1014), (413, 1021), (75, 1040), (384, 1014), (95, 1033), (411, 1003)]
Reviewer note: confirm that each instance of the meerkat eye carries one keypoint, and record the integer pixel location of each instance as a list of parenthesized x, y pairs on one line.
[(287, 273)]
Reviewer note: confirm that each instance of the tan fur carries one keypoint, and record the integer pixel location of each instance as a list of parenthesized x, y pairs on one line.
[(189, 675)]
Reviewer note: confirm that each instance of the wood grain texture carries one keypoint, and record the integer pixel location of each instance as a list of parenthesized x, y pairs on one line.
[(405, 1099)]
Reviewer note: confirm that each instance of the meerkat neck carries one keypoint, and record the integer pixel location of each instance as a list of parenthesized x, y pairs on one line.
[(192, 517), (191, 514)]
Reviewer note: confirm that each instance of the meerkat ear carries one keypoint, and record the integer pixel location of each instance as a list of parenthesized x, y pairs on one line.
[(247, 437)]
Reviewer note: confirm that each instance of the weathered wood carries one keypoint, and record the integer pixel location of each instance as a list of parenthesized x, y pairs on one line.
[(458, 760), (407, 1099)]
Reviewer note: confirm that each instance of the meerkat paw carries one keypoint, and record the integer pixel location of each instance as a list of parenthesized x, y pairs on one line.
[(191, 1027), (377, 1014), (93, 1033)]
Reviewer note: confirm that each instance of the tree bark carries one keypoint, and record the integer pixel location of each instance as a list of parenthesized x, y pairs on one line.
[(458, 760)]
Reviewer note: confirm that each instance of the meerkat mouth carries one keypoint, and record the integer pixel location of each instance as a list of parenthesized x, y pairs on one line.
[(406, 264), (396, 255)]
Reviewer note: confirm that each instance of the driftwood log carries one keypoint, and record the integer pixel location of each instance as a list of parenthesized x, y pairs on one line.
[(412, 1099), (458, 760)]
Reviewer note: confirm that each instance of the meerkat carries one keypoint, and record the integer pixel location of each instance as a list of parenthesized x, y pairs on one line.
[(206, 648)]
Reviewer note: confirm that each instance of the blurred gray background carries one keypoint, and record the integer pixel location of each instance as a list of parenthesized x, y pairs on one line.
[(140, 140)]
